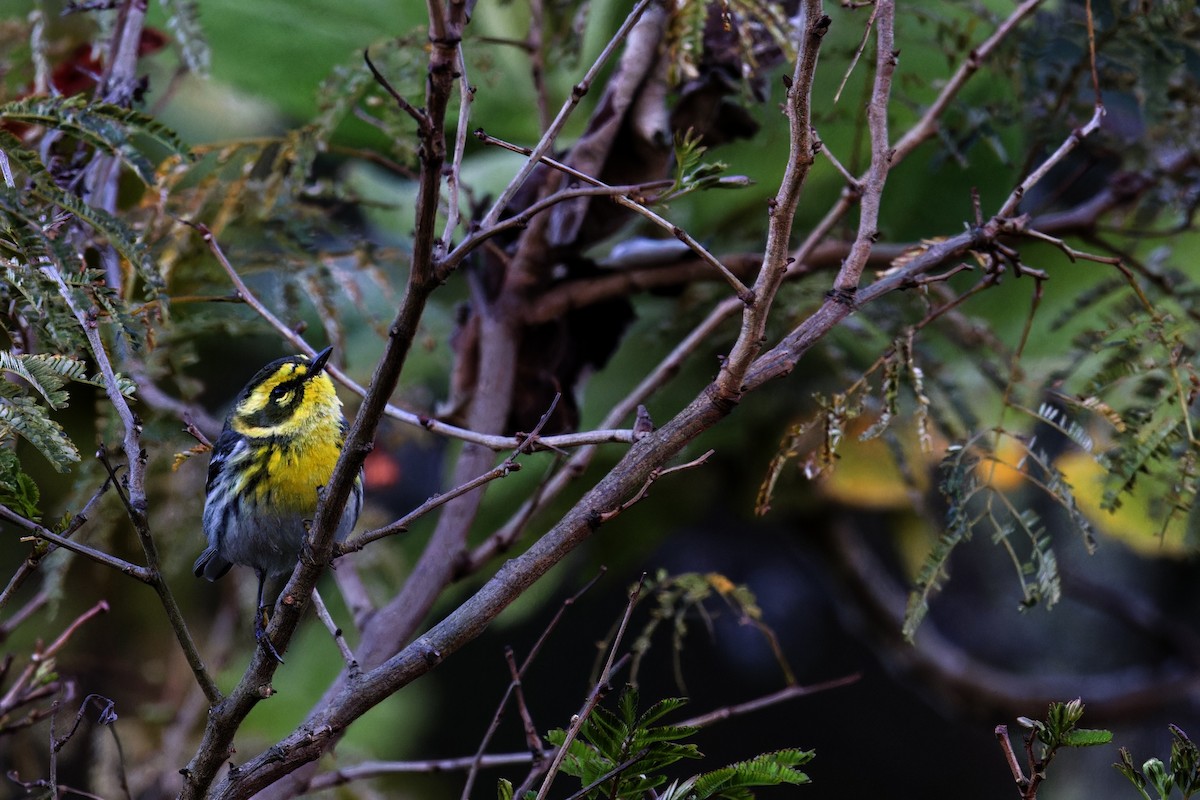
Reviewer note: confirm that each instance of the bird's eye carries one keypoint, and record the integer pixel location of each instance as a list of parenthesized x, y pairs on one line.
[(281, 395)]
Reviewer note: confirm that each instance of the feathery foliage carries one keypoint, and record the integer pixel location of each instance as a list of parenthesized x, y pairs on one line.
[(625, 754), (679, 599), (31, 388)]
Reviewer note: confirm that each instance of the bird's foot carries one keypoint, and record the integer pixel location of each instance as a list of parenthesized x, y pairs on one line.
[(260, 635)]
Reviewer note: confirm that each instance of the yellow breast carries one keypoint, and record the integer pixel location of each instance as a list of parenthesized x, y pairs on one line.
[(294, 474)]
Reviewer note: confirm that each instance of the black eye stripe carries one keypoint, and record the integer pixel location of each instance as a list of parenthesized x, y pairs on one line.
[(296, 386)]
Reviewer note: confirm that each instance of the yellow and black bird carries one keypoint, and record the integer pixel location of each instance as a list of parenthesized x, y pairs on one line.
[(277, 450)]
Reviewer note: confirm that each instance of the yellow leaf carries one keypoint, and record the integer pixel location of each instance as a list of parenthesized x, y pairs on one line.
[(1138, 522)]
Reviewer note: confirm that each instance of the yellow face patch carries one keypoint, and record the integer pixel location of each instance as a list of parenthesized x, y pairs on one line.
[(261, 395), (287, 402)]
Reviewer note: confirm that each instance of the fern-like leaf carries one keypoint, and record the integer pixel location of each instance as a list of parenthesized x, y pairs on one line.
[(17, 490), (21, 416), (735, 781), (106, 127), (183, 21), (959, 484)]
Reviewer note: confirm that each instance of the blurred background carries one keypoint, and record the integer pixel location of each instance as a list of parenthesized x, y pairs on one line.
[(826, 573)]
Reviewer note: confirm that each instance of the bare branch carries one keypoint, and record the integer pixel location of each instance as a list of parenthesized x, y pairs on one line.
[(607, 516), (490, 441), (1009, 209), (782, 696), (335, 631), (926, 126), (846, 283), (466, 93), (418, 116), (376, 769), (801, 155), (99, 556), (577, 92), (625, 200), (535, 753), (595, 695)]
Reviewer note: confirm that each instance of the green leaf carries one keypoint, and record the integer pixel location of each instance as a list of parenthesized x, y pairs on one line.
[(504, 790), (1087, 737), (42, 375), (17, 490), (1159, 777), (1125, 767), (118, 234), (108, 128), (1185, 762), (45, 373), (660, 709), (1062, 717), (23, 417), (604, 732), (768, 769)]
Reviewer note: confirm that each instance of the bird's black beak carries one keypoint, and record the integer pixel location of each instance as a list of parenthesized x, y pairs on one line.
[(318, 363)]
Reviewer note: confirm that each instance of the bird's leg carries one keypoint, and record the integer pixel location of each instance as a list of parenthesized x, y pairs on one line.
[(260, 620)]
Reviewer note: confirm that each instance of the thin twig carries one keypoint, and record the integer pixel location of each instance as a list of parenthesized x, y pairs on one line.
[(535, 753), (927, 125), (577, 92), (375, 769), (506, 468), (1010, 758), (31, 563), (335, 631), (532, 740), (1091, 29), (851, 181), (20, 616), (1009, 209), (846, 283), (612, 773), (537, 63), (95, 611), (21, 692), (783, 695), (607, 516), (490, 441), (598, 691), (858, 51), (99, 556), (419, 116), (626, 201), (466, 94), (521, 219), (782, 208), (502, 539), (355, 543)]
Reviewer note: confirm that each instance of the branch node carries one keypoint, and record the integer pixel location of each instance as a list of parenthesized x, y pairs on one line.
[(845, 296)]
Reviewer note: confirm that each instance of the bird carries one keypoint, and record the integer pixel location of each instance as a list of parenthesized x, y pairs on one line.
[(275, 453)]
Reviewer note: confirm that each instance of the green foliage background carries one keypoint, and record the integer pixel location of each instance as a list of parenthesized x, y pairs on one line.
[(314, 207)]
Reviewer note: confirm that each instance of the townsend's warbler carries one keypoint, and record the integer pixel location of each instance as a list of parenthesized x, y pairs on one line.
[(277, 451)]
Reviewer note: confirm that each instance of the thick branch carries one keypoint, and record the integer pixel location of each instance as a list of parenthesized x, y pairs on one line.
[(227, 716), (356, 695)]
